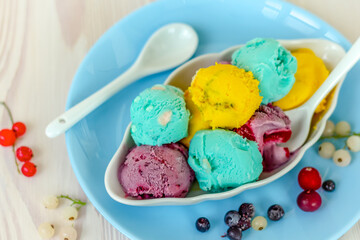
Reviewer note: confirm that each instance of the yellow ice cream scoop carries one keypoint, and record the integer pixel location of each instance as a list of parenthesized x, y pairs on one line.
[(226, 95), (196, 121), (311, 73)]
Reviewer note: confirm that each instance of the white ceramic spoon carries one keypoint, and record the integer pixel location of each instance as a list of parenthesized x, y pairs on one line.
[(168, 47), (329, 52), (301, 116)]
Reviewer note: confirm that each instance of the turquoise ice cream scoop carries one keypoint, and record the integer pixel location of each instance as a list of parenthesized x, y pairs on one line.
[(271, 64), (159, 116), (223, 159)]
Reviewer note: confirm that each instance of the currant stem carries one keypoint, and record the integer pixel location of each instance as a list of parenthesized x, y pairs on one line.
[(341, 136), (9, 112), (74, 201), (16, 163)]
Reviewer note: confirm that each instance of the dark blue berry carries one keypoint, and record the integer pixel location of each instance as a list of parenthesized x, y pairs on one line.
[(275, 212), (245, 223), (232, 218), (247, 209), (328, 185), (234, 233), (202, 224)]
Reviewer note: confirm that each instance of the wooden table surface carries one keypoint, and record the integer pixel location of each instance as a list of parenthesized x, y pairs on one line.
[(42, 43)]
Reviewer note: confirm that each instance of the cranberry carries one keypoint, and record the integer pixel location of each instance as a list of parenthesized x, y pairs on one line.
[(309, 201), (28, 169), (24, 154), (7, 137), (19, 128), (309, 178)]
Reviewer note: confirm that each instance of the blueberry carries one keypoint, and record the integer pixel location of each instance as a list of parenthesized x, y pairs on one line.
[(247, 209), (328, 185), (232, 218), (245, 223), (275, 212), (234, 233), (202, 224)]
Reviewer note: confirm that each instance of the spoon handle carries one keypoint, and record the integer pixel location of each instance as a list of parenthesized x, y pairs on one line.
[(345, 64), (66, 120)]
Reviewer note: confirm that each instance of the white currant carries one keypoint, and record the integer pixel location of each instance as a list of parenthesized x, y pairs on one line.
[(329, 129), (46, 230), (342, 128), (68, 233), (259, 223), (50, 202), (326, 150), (342, 158), (353, 143), (70, 213)]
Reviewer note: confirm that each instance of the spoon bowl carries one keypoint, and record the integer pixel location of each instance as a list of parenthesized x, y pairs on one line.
[(329, 52)]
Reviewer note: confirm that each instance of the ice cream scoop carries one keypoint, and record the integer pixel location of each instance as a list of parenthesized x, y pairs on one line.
[(268, 127), (156, 171), (159, 116), (225, 95), (223, 160), (271, 64)]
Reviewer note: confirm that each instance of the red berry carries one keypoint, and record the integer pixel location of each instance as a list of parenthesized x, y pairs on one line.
[(7, 137), (24, 154), (28, 169), (309, 201), (309, 178), (19, 128)]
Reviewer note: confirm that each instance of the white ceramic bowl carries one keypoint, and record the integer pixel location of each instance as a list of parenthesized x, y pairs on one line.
[(330, 52)]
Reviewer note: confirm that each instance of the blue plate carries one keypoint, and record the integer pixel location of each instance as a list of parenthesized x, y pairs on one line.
[(220, 24)]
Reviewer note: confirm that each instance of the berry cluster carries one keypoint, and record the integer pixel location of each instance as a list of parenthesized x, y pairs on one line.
[(23, 154), (310, 180), (70, 213), (243, 219), (341, 157)]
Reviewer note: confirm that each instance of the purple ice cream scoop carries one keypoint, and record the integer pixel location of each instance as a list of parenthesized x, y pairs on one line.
[(269, 126), (156, 171)]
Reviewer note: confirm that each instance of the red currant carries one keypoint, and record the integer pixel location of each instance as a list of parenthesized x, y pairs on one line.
[(309, 178), (309, 201), (24, 154), (28, 169), (19, 128), (7, 137)]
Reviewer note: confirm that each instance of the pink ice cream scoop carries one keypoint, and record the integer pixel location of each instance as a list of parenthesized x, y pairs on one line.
[(269, 126), (156, 171)]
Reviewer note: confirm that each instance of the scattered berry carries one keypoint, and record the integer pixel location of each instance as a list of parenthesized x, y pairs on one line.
[(232, 218), (46, 230), (70, 213), (28, 169), (329, 129), (68, 233), (309, 178), (19, 128), (245, 223), (259, 223), (309, 201), (342, 158), (328, 185), (24, 154), (7, 137), (234, 233), (202, 224), (275, 212), (247, 209), (51, 202), (353, 143), (326, 150), (342, 128)]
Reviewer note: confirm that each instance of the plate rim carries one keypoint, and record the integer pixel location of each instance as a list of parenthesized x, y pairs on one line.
[(69, 102)]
